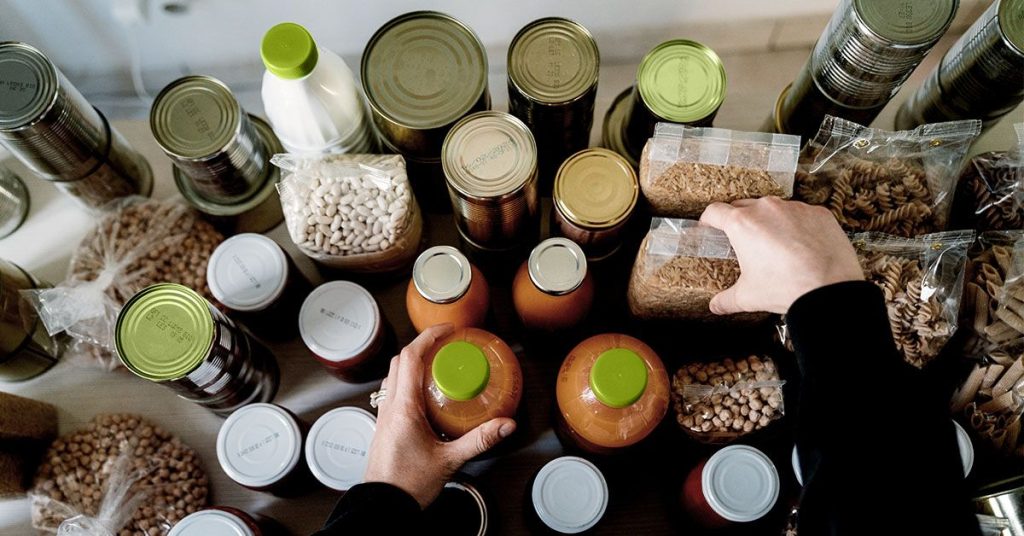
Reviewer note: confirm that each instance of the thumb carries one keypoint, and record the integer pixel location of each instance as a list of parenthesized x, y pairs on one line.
[(726, 302), (480, 439)]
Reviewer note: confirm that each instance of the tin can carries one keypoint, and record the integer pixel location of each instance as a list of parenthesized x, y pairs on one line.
[(553, 66), (460, 510), (568, 495), (490, 163), (260, 447), (224, 520), (338, 445), (169, 334), (613, 131), (446, 288), (48, 125), (14, 202), (26, 349), (553, 291), (738, 484), (595, 193), (1001, 507)]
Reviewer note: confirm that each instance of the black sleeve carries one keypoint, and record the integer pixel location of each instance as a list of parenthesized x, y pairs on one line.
[(877, 445), (373, 508)]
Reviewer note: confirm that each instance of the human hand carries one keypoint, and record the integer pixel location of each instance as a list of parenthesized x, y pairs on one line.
[(405, 451), (785, 250)]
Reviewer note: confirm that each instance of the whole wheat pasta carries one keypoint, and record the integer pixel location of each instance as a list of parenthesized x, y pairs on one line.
[(994, 414)]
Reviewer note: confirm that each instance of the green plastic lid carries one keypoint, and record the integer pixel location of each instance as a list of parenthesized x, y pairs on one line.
[(164, 332), (618, 377), (288, 51), (681, 81), (1011, 22), (907, 22), (461, 370)]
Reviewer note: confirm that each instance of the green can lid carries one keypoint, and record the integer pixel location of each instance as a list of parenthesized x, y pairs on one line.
[(28, 85), (618, 377), (288, 51), (195, 117), (907, 22), (461, 370), (1011, 22), (681, 81), (164, 332), (553, 61)]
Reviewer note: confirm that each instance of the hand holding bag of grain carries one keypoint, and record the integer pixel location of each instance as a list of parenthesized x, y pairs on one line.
[(992, 399), (685, 169), (991, 281)]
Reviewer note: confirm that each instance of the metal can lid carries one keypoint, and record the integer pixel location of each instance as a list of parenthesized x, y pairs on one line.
[(460, 509), (338, 320), (164, 332), (613, 135), (424, 70), (489, 154), (442, 274), (966, 448), (740, 483), (1011, 22), (337, 446), (570, 495), (596, 189), (247, 272), (907, 22), (28, 85), (211, 523), (681, 81), (553, 61), (259, 444), (557, 266), (195, 117)]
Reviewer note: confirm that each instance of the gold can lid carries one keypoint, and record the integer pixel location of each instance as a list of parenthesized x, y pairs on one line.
[(489, 154), (195, 117), (681, 81), (553, 61), (596, 189), (1011, 23)]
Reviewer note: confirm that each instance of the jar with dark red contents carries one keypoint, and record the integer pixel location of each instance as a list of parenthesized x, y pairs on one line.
[(251, 276), (738, 484), (553, 291), (342, 326), (338, 445), (446, 289), (569, 495), (260, 447), (225, 521)]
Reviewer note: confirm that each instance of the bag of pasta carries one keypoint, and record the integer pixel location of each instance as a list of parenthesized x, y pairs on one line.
[(989, 277), (991, 399), (873, 180), (922, 280)]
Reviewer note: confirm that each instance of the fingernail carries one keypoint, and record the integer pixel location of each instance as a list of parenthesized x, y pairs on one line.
[(506, 429)]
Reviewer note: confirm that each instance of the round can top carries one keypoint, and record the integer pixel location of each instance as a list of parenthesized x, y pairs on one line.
[(247, 272), (211, 523), (288, 51), (442, 274), (28, 85), (424, 70), (557, 266), (461, 509), (618, 377), (740, 483), (460, 370), (1011, 23), (681, 81), (553, 61), (259, 444), (489, 154), (596, 189), (569, 495), (907, 22), (337, 446), (195, 117), (338, 320), (164, 332)]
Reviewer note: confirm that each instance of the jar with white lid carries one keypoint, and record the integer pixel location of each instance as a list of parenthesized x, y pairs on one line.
[(553, 290), (224, 521), (569, 495), (738, 484), (260, 447), (338, 445)]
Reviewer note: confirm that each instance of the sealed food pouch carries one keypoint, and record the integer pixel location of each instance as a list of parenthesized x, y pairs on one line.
[(874, 180), (988, 195), (351, 212), (685, 169), (1010, 308), (990, 277), (991, 399)]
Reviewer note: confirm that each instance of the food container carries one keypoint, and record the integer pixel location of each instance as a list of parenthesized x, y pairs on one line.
[(337, 447), (612, 393), (553, 291), (48, 125), (460, 510), (738, 484), (14, 202), (223, 521), (251, 276), (169, 334), (553, 65), (446, 289), (26, 349), (260, 447), (568, 495), (1000, 507), (980, 77), (594, 195), (342, 326), (470, 377), (490, 162), (613, 129)]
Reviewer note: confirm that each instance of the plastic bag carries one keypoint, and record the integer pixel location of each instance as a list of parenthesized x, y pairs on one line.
[(988, 270), (922, 280), (873, 180), (991, 399), (988, 194), (353, 212), (685, 169), (680, 267)]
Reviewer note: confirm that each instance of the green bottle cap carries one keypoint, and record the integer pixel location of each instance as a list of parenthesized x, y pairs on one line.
[(618, 377), (461, 370), (681, 81), (288, 51)]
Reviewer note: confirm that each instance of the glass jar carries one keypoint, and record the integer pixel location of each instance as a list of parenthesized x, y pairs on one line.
[(470, 377), (460, 510), (595, 193), (342, 326), (737, 484), (612, 393), (446, 289), (569, 495), (337, 447), (260, 447), (169, 334), (26, 349), (552, 290), (224, 521)]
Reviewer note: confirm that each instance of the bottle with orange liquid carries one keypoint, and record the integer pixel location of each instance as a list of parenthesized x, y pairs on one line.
[(446, 288), (552, 290)]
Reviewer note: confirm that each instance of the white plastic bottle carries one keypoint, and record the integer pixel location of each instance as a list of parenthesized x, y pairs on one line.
[(311, 97)]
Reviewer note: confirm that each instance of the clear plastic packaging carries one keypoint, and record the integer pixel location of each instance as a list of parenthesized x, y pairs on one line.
[(352, 212), (874, 180), (988, 196), (685, 169), (991, 261), (991, 399)]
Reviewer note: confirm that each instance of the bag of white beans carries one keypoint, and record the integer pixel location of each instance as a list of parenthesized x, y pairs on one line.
[(351, 212)]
